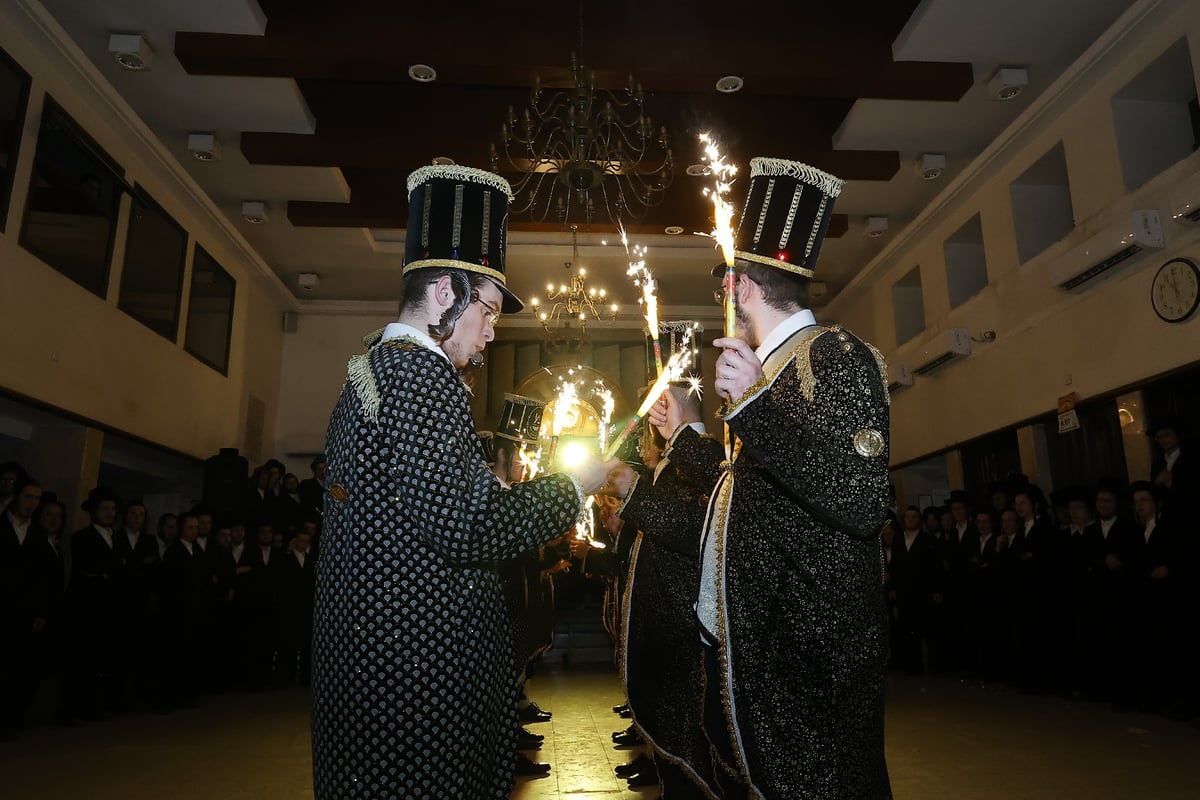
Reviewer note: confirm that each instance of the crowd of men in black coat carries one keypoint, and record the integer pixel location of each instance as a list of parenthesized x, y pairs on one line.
[(115, 617), (1095, 593)]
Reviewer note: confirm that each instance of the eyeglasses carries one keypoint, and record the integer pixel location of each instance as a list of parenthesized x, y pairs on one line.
[(491, 314)]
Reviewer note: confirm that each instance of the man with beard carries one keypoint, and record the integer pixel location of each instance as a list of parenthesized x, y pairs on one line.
[(413, 691), (791, 601)]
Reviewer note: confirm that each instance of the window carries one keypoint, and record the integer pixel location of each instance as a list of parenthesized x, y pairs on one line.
[(152, 280), (71, 212), (908, 306), (1155, 116), (966, 264), (14, 95), (210, 312), (1041, 204)]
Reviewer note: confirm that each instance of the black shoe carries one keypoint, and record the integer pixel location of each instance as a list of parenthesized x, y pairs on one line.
[(531, 713), (628, 739), (626, 714), (528, 768), (528, 741), (621, 709), (639, 764), (630, 729), (644, 780)]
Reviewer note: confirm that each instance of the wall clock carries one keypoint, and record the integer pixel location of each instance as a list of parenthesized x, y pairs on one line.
[(1175, 293)]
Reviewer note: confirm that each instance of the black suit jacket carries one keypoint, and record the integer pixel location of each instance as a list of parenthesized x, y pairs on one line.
[(23, 587), (312, 495)]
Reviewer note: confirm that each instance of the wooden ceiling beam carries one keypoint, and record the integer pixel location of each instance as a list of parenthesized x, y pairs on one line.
[(824, 71)]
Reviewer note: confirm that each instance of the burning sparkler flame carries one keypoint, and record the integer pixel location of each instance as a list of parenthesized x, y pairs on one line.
[(644, 280), (723, 176)]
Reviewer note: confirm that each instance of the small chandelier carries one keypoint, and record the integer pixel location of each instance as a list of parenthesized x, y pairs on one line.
[(584, 147), (573, 302)]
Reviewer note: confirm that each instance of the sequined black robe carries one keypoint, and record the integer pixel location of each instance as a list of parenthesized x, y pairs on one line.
[(413, 695), (801, 634), (661, 662)]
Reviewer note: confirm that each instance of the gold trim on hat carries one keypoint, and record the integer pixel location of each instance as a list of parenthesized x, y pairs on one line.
[(454, 172), (452, 263), (773, 262)]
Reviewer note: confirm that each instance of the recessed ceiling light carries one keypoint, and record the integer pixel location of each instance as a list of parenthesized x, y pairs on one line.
[(131, 51), (422, 73), (730, 83), (254, 212), (443, 161), (204, 146), (699, 170), (673, 230)]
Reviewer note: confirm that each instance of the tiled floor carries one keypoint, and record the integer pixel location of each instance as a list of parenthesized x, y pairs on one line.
[(946, 739)]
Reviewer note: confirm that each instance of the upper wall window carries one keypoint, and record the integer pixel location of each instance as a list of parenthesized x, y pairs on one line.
[(908, 306), (210, 312), (152, 279), (966, 264), (1155, 116), (1041, 204), (14, 95), (71, 212)]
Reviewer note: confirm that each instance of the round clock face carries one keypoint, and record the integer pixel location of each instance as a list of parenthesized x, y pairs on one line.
[(1175, 292)]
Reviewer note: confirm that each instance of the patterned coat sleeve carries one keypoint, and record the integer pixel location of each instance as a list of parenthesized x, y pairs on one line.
[(441, 481), (698, 457)]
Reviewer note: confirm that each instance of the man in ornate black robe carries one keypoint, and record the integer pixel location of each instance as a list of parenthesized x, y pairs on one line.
[(791, 596), (661, 658), (413, 694)]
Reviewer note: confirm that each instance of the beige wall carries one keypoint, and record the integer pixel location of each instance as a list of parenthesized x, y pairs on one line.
[(77, 352), (1049, 342)]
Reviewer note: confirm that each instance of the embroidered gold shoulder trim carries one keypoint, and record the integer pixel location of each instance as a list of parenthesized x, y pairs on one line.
[(373, 338), (358, 373), (808, 381)]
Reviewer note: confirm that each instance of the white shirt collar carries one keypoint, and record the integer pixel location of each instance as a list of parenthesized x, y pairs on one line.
[(105, 533), (1171, 458), (1106, 525), (1029, 523), (187, 545), (781, 332), (21, 528), (395, 330)]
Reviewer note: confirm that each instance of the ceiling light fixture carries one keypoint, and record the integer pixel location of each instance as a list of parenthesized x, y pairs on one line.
[(585, 151), (1007, 83), (673, 230), (204, 146), (698, 170), (308, 281), (930, 166), (443, 161), (422, 73), (574, 302), (254, 212), (876, 227), (728, 84), (131, 51)]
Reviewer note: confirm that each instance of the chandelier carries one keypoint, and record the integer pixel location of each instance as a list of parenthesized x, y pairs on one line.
[(573, 302), (584, 151)]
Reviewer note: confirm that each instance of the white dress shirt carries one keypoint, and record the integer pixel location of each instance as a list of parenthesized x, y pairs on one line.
[(105, 534), (1106, 526), (395, 330), (22, 528)]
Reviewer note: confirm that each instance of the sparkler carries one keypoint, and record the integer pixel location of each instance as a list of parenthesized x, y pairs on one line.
[(531, 459), (673, 371), (723, 175), (564, 410), (643, 280), (606, 409)]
